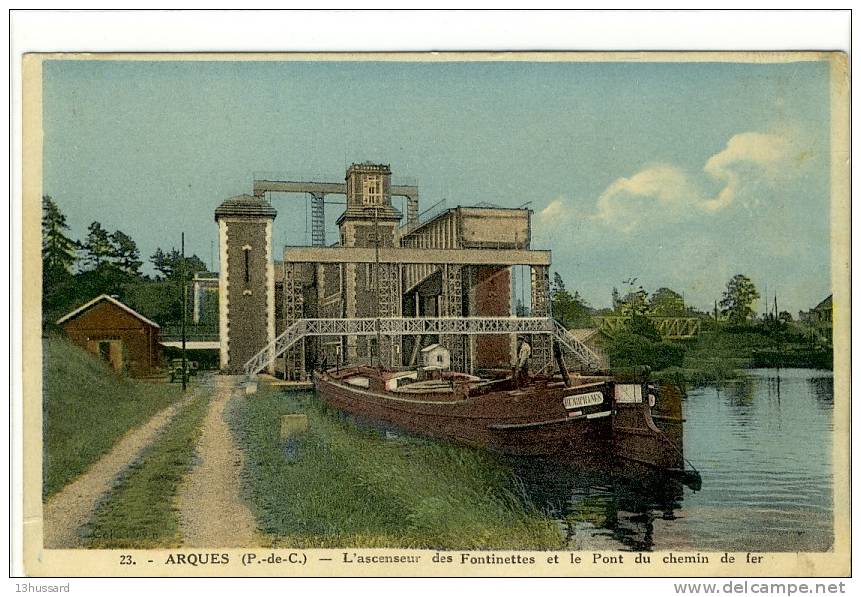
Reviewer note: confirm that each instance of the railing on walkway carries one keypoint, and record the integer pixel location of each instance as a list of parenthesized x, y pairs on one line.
[(407, 326), (193, 332)]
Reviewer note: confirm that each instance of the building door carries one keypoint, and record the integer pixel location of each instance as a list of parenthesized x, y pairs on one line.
[(111, 351)]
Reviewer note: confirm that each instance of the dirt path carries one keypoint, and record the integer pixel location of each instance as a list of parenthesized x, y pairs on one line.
[(73, 506), (211, 510)]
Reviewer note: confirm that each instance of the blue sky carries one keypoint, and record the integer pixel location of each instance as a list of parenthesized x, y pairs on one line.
[(679, 174)]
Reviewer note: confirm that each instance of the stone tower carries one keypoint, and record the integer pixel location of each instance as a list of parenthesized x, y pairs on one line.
[(246, 293), (369, 207), (370, 219)]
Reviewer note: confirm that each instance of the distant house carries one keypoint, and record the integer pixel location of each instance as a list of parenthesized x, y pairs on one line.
[(822, 311), (121, 336), (819, 320)]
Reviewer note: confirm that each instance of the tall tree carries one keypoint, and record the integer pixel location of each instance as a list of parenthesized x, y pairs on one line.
[(667, 302), (616, 299), (738, 299), (558, 283), (570, 310), (170, 264), (125, 253), (193, 265), (160, 262), (98, 248), (635, 302), (59, 252)]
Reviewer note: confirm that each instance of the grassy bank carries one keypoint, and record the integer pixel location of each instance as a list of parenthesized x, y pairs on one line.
[(717, 356), (86, 408), (343, 486), (139, 511)]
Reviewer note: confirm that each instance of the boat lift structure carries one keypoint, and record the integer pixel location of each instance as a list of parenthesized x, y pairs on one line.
[(318, 190), (419, 326), (450, 276)]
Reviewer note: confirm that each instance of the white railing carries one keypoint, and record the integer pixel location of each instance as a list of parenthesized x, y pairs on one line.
[(583, 353), (408, 326)]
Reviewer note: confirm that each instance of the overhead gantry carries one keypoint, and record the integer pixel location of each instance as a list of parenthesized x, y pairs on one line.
[(318, 192)]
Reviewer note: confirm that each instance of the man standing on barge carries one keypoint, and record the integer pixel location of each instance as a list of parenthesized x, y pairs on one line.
[(522, 370)]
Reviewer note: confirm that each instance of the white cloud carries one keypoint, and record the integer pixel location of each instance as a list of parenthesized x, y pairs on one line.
[(622, 203), (668, 193), (553, 213), (769, 151)]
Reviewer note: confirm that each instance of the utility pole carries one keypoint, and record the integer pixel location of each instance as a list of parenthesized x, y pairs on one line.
[(184, 308)]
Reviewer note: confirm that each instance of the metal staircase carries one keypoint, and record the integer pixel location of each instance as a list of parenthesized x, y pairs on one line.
[(406, 326)]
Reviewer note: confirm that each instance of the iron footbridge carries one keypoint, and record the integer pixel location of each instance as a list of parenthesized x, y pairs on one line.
[(418, 326)]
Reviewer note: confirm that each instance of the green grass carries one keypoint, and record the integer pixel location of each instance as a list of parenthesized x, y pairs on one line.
[(734, 348), (139, 512), (715, 357), (86, 408), (351, 487)]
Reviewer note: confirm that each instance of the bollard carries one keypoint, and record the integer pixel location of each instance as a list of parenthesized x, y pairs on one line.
[(293, 425), (250, 388)]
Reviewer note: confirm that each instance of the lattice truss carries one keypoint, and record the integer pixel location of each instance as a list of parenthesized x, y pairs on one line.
[(452, 306), (542, 354), (667, 327), (293, 309), (389, 306), (541, 327)]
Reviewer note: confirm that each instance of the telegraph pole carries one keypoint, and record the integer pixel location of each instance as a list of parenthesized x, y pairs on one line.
[(184, 308)]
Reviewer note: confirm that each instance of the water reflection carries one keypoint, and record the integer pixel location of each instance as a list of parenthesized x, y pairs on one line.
[(615, 501), (823, 391), (763, 446), (740, 394)]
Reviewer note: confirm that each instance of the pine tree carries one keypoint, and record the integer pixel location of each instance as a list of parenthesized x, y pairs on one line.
[(98, 248), (160, 262), (170, 265), (59, 252), (125, 253)]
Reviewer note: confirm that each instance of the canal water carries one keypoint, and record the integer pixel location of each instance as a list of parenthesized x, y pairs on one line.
[(763, 448)]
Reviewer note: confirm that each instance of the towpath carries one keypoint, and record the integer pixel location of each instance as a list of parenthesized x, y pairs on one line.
[(212, 512), (69, 509)]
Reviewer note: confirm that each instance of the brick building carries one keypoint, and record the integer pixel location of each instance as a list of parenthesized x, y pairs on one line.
[(121, 336)]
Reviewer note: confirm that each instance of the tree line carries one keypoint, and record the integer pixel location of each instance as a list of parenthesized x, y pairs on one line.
[(636, 342), (736, 305), (74, 271)]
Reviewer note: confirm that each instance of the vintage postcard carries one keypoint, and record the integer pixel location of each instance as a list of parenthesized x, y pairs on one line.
[(502, 314)]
